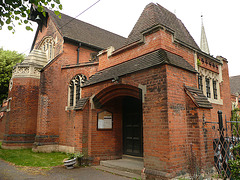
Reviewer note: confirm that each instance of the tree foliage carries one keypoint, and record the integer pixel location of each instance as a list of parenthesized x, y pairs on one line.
[(235, 163), (8, 59), (18, 11)]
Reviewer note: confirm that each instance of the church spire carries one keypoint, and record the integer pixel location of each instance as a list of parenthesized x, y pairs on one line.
[(204, 44)]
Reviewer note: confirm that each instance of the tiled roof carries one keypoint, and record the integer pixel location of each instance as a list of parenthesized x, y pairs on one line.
[(86, 33), (155, 14), (235, 84), (81, 103), (198, 97), (143, 62)]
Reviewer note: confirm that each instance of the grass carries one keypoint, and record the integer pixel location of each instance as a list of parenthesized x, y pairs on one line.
[(26, 157)]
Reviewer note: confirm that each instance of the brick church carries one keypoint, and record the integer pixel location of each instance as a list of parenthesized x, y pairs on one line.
[(85, 89)]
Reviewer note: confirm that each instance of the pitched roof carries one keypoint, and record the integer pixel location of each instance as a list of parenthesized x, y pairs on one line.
[(235, 84), (86, 33), (143, 62), (81, 103), (155, 14), (198, 97)]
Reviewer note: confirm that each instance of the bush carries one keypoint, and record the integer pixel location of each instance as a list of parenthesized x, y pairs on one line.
[(235, 163)]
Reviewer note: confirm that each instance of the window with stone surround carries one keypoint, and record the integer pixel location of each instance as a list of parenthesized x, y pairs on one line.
[(208, 89), (215, 89), (210, 84), (74, 92), (48, 45), (200, 84)]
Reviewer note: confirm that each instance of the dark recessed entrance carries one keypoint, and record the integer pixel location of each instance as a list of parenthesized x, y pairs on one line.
[(132, 127)]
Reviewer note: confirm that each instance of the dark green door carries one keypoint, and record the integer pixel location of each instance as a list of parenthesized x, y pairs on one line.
[(132, 127)]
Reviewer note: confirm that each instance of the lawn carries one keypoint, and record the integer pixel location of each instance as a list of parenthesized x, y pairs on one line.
[(25, 157)]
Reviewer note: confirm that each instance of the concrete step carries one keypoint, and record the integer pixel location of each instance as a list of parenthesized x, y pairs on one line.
[(118, 172), (128, 166)]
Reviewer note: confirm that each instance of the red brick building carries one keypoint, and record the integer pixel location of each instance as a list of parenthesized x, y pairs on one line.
[(84, 89)]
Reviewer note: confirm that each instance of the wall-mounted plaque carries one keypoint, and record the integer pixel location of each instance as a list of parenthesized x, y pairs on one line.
[(104, 120)]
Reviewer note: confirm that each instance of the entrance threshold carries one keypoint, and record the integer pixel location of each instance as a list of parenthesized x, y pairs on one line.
[(129, 166)]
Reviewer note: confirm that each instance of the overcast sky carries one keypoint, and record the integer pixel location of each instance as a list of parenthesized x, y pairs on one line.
[(221, 21)]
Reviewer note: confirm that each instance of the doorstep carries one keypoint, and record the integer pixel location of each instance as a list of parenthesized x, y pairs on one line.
[(128, 166)]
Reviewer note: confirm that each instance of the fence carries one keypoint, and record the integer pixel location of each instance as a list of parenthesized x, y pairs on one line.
[(225, 137)]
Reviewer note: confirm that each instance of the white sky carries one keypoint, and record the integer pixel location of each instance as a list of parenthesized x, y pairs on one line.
[(221, 21)]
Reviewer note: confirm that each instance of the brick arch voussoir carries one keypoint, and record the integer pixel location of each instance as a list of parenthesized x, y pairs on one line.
[(115, 91)]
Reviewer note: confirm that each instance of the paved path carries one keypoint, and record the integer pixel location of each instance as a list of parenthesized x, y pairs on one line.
[(10, 172)]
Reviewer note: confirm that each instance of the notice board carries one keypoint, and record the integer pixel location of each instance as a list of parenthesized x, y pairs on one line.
[(105, 120)]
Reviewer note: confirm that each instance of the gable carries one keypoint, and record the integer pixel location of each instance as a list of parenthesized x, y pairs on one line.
[(155, 14)]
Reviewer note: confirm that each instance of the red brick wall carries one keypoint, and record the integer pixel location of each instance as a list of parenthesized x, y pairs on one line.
[(2, 125), (55, 124), (21, 119), (52, 31), (155, 123), (182, 116), (160, 39)]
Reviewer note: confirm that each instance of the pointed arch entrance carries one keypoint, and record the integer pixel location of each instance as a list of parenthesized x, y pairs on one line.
[(130, 98)]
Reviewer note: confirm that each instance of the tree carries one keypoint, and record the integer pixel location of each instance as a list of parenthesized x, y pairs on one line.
[(18, 11), (8, 59)]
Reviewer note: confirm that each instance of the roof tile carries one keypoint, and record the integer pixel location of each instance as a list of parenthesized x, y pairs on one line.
[(86, 33), (198, 97), (155, 14), (143, 62)]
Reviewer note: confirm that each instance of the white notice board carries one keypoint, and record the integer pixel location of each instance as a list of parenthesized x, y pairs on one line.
[(104, 120)]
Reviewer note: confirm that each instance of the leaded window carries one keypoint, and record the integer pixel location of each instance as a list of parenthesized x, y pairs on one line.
[(78, 88), (47, 45), (71, 87), (208, 90), (200, 84), (75, 89), (215, 89)]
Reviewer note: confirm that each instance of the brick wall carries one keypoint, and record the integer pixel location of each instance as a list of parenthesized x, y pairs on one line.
[(182, 117), (160, 39), (21, 119), (52, 31), (55, 124)]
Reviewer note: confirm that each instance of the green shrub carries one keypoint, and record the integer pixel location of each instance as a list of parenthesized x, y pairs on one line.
[(235, 164)]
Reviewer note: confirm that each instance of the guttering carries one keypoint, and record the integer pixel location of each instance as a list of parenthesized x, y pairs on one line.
[(76, 42), (78, 50)]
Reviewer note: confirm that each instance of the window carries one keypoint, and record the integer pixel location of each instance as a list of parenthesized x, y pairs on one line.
[(71, 87), (75, 89), (208, 92), (200, 85), (78, 90), (47, 45), (215, 89)]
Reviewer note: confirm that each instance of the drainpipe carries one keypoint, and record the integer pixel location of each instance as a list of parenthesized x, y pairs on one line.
[(78, 50)]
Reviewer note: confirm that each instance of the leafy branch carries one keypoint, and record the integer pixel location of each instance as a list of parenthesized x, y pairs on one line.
[(14, 12)]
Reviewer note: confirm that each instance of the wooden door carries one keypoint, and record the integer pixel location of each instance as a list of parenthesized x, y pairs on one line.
[(132, 127)]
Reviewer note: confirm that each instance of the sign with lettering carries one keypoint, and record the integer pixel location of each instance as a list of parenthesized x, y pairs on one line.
[(104, 120)]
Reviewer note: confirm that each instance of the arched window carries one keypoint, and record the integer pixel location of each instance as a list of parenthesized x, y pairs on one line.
[(74, 93), (47, 45)]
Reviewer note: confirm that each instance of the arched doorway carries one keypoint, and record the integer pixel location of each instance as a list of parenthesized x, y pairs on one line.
[(125, 103), (132, 126)]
